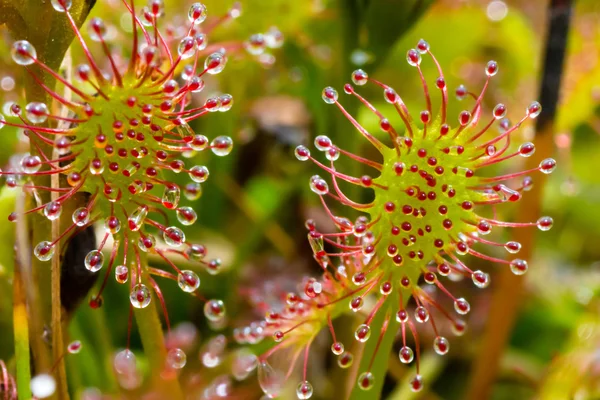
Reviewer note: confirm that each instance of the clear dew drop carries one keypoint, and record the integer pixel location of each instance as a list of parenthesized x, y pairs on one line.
[(441, 345), (215, 63), (31, 164), (81, 216), (140, 296), (416, 383), (188, 281), (362, 333), (44, 251), (226, 101), (42, 386), (406, 355), (274, 38), (256, 44), (304, 390), (302, 153), (329, 95), (512, 247), (186, 215), (318, 185), (337, 348), (171, 196), (197, 13), (61, 5), (271, 381), (544, 223), (462, 306), (186, 48), (147, 243), (360, 77), (124, 362), (214, 310), (176, 358), (36, 112), (534, 109), (221, 145), (121, 274), (480, 279), (421, 314), (112, 225), (52, 210), (173, 236), (345, 360), (199, 173), (97, 29), (518, 266), (74, 347), (366, 380), (23, 52), (94, 261)]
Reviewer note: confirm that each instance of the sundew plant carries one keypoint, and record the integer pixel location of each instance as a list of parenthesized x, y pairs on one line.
[(258, 200)]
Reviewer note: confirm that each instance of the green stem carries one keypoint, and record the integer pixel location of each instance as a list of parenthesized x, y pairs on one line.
[(151, 333), (379, 364), (21, 330)]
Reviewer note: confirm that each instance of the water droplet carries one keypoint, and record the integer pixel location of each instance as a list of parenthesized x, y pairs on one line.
[(512, 247), (534, 109), (52, 210), (329, 95), (319, 185), (480, 279), (345, 360), (36, 112), (74, 347), (94, 260), (441, 345), (462, 306), (171, 196), (360, 77), (271, 381), (187, 47), (304, 390), (44, 251), (302, 153), (221, 145), (147, 243), (406, 355), (256, 44), (176, 358), (97, 29), (421, 314), (140, 296), (362, 333), (174, 236), (186, 215), (121, 274), (547, 166), (526, 149), (337, 348), (42, 386), (226, 101), (366, 381), (197, 13), (215, 63), (461, 92), (137, 217), (274, 38), (518, 266), (214, 310), (545, 223), (413, 57), (124, 362), (491, 68), (243, 364), (416, 383), (81, 216), (31, 164), (112, 224), (459, 327), (61, 5), (188, 281), (199, 173)]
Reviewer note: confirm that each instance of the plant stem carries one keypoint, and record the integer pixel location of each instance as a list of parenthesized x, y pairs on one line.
[(21, 330), (151, 333), (508, 293)]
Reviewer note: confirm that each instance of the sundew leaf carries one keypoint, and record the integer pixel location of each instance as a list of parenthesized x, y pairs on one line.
[(379, 364)]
